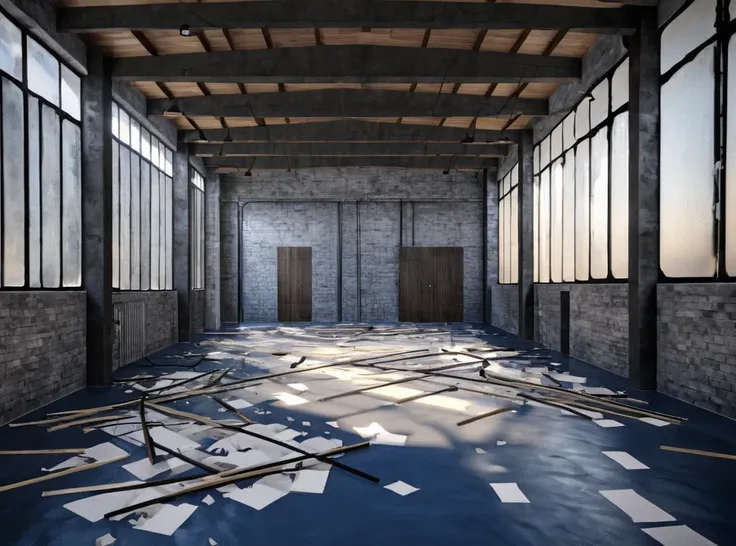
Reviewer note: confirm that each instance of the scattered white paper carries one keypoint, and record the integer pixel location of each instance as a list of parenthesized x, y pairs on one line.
[(222, 410), (333, 424), (144, 470), (306, 424), (654, 421), (168, 519), (379, 435), (480, 450), (129, 391), (104, 452), (262, 493), (239, 403), (212, 542), (240, 459), (677, 535), (310, 481), (607, 423), (592, 390), (301, 387), (288, 434), (639, 509), (290, 419), (566, 377), (596, 416), (167, 438), (208, 500), (626, 460), (501, 443), (228, 488), (290, 399), (94, 508), (401, 488), (509, 493), (69, 463), (105, 540)]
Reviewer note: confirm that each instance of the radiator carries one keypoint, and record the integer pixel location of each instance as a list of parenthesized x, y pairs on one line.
[(130, 332)]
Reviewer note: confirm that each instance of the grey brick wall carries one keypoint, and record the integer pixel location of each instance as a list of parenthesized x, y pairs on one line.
[(42, 348), (696, 344), (196, 309), (505, 307), (599, 328), (395, 205), (267, 226), (160, 322), (212, 252), (229, 262)]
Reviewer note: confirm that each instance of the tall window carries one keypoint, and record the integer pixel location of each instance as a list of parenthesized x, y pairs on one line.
[(40, 165), (142, 200), (197, 229), (508, 228), (698, 137), (581, 201)]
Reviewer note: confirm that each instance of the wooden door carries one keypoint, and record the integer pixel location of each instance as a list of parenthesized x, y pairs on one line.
[(431, 284), (294, 283)]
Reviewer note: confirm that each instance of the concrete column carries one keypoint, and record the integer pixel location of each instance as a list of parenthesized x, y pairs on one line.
[(97, 215), (230, 231), (643, 200), (491, 239), (182, 215), (212, 252), (526, 236)]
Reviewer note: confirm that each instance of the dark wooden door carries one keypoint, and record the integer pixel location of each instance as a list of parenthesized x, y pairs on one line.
[(431, 284), (294, 283)]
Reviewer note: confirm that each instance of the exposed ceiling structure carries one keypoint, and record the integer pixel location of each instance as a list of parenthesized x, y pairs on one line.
[(296, 84)]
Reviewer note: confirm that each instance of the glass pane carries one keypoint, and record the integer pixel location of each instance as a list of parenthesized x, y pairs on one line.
[(515, 175), (34, 193), (544, 229), (568, 218), (536, 159), (169, 163), (124, 127), (620, 197), (514, 239), (202, 251), (14, 221), (11, 49), (509, 231), (154, 151), (135, 222), (116, 215), (115, 121), (535, 228), (620, 86), (135, 135), (582, 118), (50, 197), (193, 236), (555, 248), (43, 72), (145, 144), (686, 171), (155, 224), (124, 218), (501, 241), (145, 225), (690, 29), (71, 233), (162, 232), (71, 93), (162, 158), (556, 142), (568, 131), (169, 235), (731, 164), (599, 104), (599, 205), (544, 153), (582, 210)]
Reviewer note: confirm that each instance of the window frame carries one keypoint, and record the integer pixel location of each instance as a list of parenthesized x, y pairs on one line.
[(507, 190), (63, 116), (197, 228)]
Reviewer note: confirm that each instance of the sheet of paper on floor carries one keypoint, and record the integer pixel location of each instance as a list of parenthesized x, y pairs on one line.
[(166, 438), (168, 519), (208, 500), (378, 435), (290, 399), (626, 460), (306, 424), (239, 459), (607, 423), (94, 508), (288, 434), (639, 509), (592, 390), (100, 452), (677, 535), (480, 450), (239, 403), (333, 424), (262, 493), (501, 443), (212, 541), (301, 387), (509, 493), (105, 540), (144, 470), (567, 378), (654, 421), (310, 481), (401, 488)]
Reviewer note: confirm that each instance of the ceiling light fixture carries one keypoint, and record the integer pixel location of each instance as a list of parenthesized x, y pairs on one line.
[(185, 30)]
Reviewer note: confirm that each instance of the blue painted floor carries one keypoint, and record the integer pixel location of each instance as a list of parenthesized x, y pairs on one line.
[(555, 459)]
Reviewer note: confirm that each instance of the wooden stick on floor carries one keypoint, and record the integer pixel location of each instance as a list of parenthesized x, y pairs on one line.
[(699, 452), (451, 388), (484, 415), (66, 472), (230, 408), (109, 418), (43, 451), (146, 434), (370, 388)]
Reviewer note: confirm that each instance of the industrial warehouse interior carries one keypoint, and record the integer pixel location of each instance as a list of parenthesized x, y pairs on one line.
[(333, 272)]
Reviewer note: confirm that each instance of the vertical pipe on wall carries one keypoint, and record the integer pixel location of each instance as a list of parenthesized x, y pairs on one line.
[(240, 268), (339, 262), (525, 238), (484, 238), (357, 255), (401, 222), (182, 248)]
